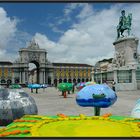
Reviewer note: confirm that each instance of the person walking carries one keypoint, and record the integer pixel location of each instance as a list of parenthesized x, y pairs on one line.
[(73, 88), (113, 86)]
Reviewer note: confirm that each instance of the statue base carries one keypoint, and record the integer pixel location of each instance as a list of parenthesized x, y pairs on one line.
[(126, 50)]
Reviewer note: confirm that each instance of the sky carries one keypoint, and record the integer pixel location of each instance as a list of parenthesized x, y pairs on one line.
[(70, 32)]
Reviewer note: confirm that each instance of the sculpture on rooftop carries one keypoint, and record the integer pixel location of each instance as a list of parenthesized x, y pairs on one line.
[(124, 24)]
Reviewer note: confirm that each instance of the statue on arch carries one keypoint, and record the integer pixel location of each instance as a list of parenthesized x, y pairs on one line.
[(124, 24)]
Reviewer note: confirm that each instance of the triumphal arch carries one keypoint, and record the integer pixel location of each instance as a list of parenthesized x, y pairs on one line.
[(32, 54)]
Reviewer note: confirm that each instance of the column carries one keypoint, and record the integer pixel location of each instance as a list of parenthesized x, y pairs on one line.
[(40, 77), (52, 78), (92, 76), (23, 77), (101, 78), (115, 76), (134, 79), (20, 77), (44, 78), (13, 77)]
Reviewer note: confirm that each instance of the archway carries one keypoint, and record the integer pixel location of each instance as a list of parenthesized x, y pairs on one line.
[(16, 80), (65, 80), (49, 80), (83, 80), (60, 80), (3, 81), (34, 72), (9, 81), (38, 57), (78, 80), (55, 82), (74, 81), (69, 80), (87, 80)]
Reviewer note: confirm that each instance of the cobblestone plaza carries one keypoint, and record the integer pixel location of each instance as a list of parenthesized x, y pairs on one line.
[(50, 102)]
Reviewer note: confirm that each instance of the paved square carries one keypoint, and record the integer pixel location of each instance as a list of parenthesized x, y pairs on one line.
[(50, 102)]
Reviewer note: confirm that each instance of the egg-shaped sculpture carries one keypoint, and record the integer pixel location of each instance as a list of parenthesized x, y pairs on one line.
[(136, 110), (14, 104), (65, 86), (97, 95)]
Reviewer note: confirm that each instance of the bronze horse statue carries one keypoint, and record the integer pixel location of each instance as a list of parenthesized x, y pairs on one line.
[(124, 24)]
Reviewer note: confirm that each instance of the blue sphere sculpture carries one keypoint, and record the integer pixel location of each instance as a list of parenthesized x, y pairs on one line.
[(97, 95)]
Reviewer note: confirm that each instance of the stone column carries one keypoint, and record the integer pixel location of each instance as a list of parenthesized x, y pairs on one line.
[(13, 77), (134, 81), (101, 78), (20, 77), (40, 77), (52, 78), (23, 77), (115, 76), (92, 76), (44, 77)]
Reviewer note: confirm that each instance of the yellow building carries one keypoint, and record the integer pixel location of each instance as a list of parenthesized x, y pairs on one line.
[(6, 72), (71, 72)]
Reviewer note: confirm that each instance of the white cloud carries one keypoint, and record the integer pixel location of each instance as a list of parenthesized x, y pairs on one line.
[(7, 33), (86, 11), (7, 28), (11, 39), (88, 41), (91, 39)]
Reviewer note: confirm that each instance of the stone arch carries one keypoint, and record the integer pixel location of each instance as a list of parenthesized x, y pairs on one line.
[(87, 80), (83, 80), (36, 71), (69, 80), (16, 80), (60, 80), (49, 80), (74, 80), (9, 81), (31, 54), (78, 80), (65, 80), (55, 82), (3, 81)]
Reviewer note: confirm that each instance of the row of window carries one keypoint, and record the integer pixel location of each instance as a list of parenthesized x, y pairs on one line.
[(5, 72), (72, 74), (56, 81), (9, 81), (123, 76)]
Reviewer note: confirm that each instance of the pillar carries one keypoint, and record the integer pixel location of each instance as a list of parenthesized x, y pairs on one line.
[(115, 76), (134, 81)]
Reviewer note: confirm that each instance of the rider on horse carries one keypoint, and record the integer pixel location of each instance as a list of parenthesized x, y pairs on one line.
[(124, 23)]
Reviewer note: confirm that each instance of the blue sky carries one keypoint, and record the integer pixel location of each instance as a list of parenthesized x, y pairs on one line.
[(37, 17), (70, 32)]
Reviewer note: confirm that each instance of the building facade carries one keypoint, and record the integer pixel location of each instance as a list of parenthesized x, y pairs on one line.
[(124, 68), (6, 72), (71, 72), (45, 71)]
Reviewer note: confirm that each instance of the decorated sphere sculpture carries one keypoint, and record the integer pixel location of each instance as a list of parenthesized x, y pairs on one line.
[(136, 110), (15, 86), (81, 85), (97, 96), (65, 87), (14, 105)]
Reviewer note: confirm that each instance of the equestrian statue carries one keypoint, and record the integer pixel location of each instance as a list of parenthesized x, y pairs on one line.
[(124, 24)]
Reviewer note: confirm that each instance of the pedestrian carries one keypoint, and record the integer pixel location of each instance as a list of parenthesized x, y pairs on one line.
[(113, 86), (73, 87)]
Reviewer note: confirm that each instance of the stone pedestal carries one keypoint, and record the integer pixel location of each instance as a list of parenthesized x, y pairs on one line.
[(126, 51), (126, 58)]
